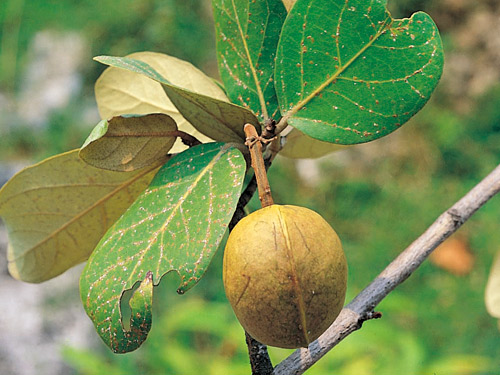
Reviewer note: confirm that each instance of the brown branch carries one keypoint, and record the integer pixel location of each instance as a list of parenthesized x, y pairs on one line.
[(281, 125), (254, 144), (247, 195), (269, 130), (361, 308), (259, 357)]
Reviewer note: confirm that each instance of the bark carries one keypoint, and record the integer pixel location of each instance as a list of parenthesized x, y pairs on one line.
[(259, 357)]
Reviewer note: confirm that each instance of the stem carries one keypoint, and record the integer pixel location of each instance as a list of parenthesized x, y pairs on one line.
[(269, 131), (254, 144), (242, 202), (282, 124), (187, 139), (361, 307), (259, 358)]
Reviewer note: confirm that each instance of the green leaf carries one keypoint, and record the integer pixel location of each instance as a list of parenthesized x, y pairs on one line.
[(56, 211), (247, 37), (216, 119), (127, 143), (175, 225), (347, 73), (301, 146), (119, 92)]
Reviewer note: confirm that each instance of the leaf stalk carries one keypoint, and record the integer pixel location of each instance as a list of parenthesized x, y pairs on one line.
[(254, 144)]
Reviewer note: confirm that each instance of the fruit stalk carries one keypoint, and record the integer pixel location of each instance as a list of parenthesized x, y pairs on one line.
[(254, 144)]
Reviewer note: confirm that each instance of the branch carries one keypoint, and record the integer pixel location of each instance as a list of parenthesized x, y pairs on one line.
[(361, 307), (259, 357)]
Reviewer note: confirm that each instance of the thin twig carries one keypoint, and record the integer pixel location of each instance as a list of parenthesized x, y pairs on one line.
[(247, 195), (361, 307), (255, 146), (259, 357), (260, 362)]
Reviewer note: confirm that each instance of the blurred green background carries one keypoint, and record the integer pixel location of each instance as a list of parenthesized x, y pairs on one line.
[(379, 196)]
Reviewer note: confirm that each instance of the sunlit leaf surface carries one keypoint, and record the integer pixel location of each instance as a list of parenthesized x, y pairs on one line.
[(492, 295), (247, 34), (175, 225), (347, 72)]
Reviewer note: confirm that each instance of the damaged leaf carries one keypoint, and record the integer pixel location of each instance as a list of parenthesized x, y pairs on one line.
[(175, 225), (347, 72), (127, 143)]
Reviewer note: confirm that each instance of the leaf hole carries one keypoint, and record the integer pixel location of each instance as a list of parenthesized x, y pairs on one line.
[(125, 311), (169, 281)]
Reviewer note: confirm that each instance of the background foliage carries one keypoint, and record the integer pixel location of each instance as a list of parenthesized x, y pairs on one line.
[(378, 196)]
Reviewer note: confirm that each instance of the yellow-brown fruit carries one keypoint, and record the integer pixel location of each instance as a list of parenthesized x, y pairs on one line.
[(285, 275)]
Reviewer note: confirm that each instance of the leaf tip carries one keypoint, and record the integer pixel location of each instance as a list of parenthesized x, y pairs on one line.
[(101, 59)]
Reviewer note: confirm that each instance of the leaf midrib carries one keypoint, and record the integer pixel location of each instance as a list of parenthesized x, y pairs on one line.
[(174, 211), (156, 234), (260, 94), (197, 103), (84, 212), (167, 134), (386, 25)]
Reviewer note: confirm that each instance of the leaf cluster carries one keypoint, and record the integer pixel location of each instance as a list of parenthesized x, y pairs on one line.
[(138, 204)]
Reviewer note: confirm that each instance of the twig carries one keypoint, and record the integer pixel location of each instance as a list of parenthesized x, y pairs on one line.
[(259, 357), (269, 130), (361, 307), (254, 144), (246, 196), (282, 124)]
